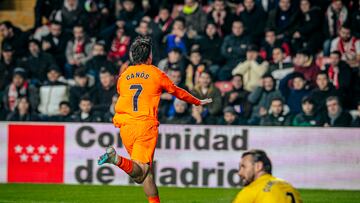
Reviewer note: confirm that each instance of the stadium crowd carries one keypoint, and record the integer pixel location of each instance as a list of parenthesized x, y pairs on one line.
[(264, 62)]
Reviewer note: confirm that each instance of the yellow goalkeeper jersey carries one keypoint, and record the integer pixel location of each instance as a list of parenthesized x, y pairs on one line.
[(268, 189)]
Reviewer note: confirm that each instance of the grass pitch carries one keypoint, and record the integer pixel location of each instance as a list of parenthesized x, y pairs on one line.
[(36, 193)]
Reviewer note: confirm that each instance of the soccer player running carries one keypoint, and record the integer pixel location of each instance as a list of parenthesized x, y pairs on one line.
[(259, 185), (139, 88)]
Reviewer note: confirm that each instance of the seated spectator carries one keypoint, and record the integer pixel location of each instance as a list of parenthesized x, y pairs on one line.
[(305, 64), (38, 62), (78, 50), (356, 121), (355, 22), (173, 61), (86, 112), (98, 61), (64, 113), (335, 17), (52, 92), (14, 37), (18, 87), (222, 18), (164, 20), (206, 89), (279, 68), (7, 65), (348, 46), (253, 68), (95, 18), (233, 50), (108, 116), (84, 85), (130, 15), (282, 19), (23, 111), (261, 97), (276, 115), (308, 116), (119, 47), (323, 90), (177, 38), (194, 69), (231, 118), (253, 18), (55, 42), (71, 14), (103, 93), (201, 116), (44, 8), (295, 92), (308, 31), (193, 10), (336, 116), (181, 115), (270, 43), (237, 97)]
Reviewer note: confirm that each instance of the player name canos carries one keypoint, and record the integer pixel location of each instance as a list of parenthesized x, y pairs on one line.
[(88, 136), (143, 75)]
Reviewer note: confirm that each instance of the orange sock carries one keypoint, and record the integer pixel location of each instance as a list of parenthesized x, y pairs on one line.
[(125, 164), (155, 199)]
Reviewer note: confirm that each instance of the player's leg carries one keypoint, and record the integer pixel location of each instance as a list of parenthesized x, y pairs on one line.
[(150, 188)]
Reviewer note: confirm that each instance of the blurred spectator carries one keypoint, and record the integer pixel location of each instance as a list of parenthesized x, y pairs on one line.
[(268, 5), (174, 61), (8, 63), (336, 116), (231, 118), (270, 43), (253, 68), (181, 115), (55, 42), (177, 38), (206, 89), (356, 121), (324, 90), (261, 97), (192, 10), (64, 113), (103, 93), (18, 87), (279, 68), (237, 97), (23, 111), (335, 17), (99, 60), (339, 74), (304, 63), (221, 17), (194, 69), (355, 22), (38, 62), (119, 47), (78, 50), (308, 31), (295, 92), (108, 116), (84, 85), (164, 20), (200, 116), (130, 16), (282, 19), (276, 116), (44, 8), (253, 18), (52, 92), (95, 18), (348, 46), (14, 37), (210, 47), (86, 112), (233, 49), (308, 116), (71, 14)]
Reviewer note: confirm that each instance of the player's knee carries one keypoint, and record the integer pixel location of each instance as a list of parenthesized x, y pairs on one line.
[(145, 172)]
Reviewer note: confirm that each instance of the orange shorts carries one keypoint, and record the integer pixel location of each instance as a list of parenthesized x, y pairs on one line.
[(139, 140)]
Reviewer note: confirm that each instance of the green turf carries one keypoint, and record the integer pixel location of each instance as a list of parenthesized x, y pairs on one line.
[(103, 194)]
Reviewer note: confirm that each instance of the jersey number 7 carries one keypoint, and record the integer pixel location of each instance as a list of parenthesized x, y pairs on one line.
[(138, 89)]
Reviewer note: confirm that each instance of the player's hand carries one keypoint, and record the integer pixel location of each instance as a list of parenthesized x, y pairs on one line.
[(206, 101)]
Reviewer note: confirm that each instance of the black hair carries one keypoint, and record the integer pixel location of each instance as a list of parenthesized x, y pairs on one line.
[(337, 53), (7, 24), (323, 72), (64, 103), (268, 75), (307, 99), (55, 22), (105, 70), (80, 72), (277, 99), (140, 50), (259, 155), (85, 98)]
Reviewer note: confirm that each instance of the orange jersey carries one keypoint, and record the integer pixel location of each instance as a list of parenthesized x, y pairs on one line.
[(139, 88)]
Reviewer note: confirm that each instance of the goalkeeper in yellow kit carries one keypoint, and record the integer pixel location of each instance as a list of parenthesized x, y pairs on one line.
[(259, 185)]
